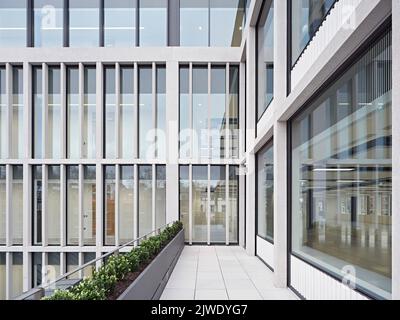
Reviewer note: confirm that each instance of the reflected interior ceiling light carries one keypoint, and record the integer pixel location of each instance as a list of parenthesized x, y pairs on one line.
[(333, 169), (200, 28), (351, 181)]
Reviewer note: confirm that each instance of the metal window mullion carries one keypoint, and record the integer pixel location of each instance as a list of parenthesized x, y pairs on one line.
[(63, 91), (44, 204), (26, 270), (135, 201), (80, 205), (191, 153), (154, 109), (9, 108), (27, 89), (80, 262), (63, 211), (62, 263), (227, 114), (190, 204), (44, 268), (8, 275), (45, 111), (27, 200), (135, 112), (81, 110), (153, 197), (242, 110), (209, 205), (227, 204), (117, 204), (118, 137)]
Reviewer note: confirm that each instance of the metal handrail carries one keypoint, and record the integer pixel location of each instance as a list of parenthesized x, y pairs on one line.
[(87, 264)]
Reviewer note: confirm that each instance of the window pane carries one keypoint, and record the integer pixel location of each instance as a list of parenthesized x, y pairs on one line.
[(184, 199), (88, 257), (3, 276), (3, 115), (342, 174), (127, 107), (89, 205), (265, 64), (200, 112), (200, 203), (84, 22), (146, 134), (48, 22), (16, 274), (54, 113), (72, 205), (36, 269), (17, 136), (89, 113), (37, 204), (109, 205), (233, 204), (13, 23), (226, 23), (184, 113), (53, 267), (218, 112), (72, 264), (161, 112), (194, 23), (265, 193), (3, 199), (110, 112), (160, 196), (17, 205), (73, 112), (234, 111), (37, 102), (218, 204), (153, 23), (145, 199), (53, 205), (119, 23), (126, 206), (307, 16)]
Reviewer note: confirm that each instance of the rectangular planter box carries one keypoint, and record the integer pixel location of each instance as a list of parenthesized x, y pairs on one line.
[(150, 284)]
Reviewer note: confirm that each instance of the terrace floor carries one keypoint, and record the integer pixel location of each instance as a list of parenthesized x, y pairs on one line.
[(222, 273)]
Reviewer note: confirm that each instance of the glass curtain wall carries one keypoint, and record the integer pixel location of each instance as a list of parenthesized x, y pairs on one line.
[(84, 23), (126, 204), (307, 17), (53, 205), (184, 113), (89, 113), (194, 23), (3, 199), (73, 130), (342, 173), (52, 267), (146, 132), (110, 112), (3, 115), (233, 204), (48, 23), (3, 274), (72, 205), (160, 196), (233, 112), (153, 19), (36, 269), (109, 205), (218, 112), (265, 192), (17, 205), (16, 274), (119, 23), (54, 114), (37, 204), (127, 111), (72, 263), (161, 112), (184, 195), (17, 135), (200, 203), (13, 23), (89, 205), (265, 63), (37, 104), (218, 204), (145, 199)]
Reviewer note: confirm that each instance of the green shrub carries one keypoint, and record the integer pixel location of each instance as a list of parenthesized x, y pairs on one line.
[(103, 281)]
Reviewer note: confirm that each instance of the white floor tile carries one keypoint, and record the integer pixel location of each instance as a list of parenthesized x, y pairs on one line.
[(211, 295), (177, 294), (240, 294)]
